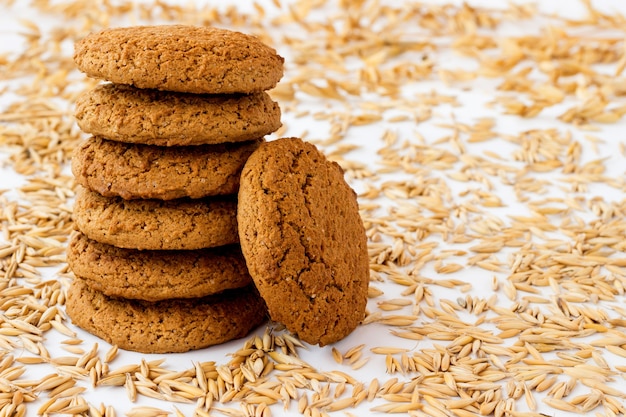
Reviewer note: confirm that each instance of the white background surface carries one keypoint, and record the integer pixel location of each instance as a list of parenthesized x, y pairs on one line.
[(473, 106)]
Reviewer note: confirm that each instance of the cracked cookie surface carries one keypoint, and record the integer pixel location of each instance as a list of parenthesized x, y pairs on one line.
[(303, 240), (154, 275), (134, 171), (192, 59), (166, 326), (127, 114), (156, 224)]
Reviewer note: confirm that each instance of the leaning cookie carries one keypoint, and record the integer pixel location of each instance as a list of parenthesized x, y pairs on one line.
[(156, 224), (303, 240), (165, 326), (134, 171), (152, 117), (181, 58), (156, 275)]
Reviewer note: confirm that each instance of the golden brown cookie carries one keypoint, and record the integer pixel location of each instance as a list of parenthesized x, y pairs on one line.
[(134, 171), (156, 224), (156, 275), (166, 326), (152, 117), (192, 59), (303, 240)]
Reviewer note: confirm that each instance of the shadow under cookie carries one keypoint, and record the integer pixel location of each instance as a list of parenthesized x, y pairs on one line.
[(156, 275), (165, 326)]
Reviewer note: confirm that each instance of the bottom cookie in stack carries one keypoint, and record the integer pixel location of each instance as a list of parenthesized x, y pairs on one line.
[(176, 325)]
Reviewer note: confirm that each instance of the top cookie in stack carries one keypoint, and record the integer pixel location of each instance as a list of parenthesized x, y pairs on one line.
[(185, 59), (183, 109)]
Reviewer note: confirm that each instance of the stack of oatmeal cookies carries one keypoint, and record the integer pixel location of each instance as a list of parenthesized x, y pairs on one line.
[(156, 257)]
